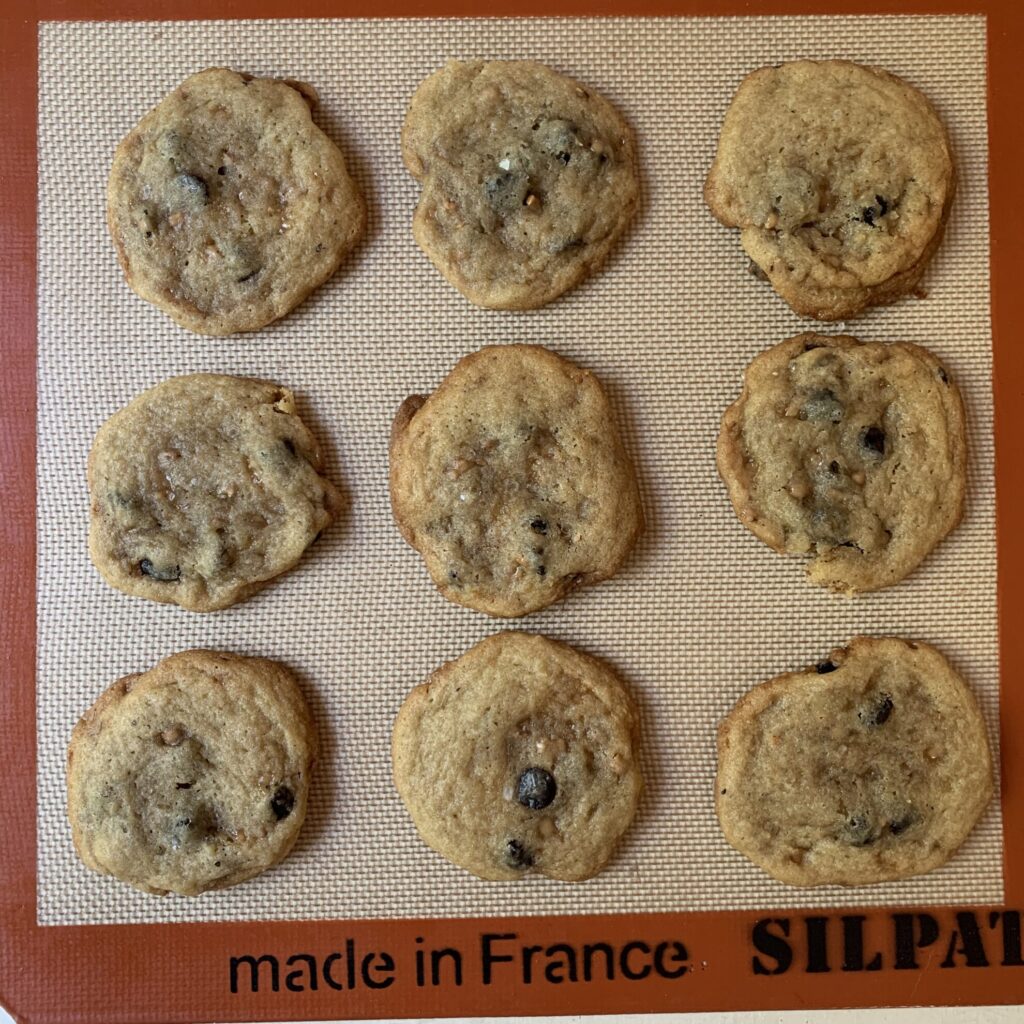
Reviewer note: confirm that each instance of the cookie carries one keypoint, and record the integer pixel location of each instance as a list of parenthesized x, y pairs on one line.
[(840, 178), (193, 775), (203, 489), (851, 452), (511, 481), (871, 766), (528, 179), (228, 205), (520, 757)]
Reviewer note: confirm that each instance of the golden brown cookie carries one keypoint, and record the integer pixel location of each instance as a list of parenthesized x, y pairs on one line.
[(511, 481), (840, 178), (871, 766), (519, 757), (204, 488), (228, 205), (851, 452), (528, 179), (193, 775)]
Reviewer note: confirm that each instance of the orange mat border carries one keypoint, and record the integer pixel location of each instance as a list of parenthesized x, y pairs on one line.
[(181, 972)]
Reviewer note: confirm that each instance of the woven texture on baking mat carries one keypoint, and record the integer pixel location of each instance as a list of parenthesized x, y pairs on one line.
[(702, 612)]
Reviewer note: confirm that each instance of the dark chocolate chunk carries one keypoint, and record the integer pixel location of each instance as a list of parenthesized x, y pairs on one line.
[(868, 215), (164, 575), (516, 855), (833, 468), (183, 785), (883, 206), (824, 667), (542, 570), (222, 171), (536, 789), (282, 802), (539, 525), (878, 711), (873, 439)]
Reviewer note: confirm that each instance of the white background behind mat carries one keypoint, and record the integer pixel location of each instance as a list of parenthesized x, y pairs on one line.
[(703, 610)]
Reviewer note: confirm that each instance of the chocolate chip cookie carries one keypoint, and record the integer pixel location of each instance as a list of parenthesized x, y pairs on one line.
[(528, 179), (840, 178), (871, 766), (851, 452), (203, 489), (511, 481), (193, 775), (520, 757), (228, 205)]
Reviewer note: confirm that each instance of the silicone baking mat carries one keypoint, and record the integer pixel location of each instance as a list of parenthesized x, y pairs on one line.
[(702, 612)]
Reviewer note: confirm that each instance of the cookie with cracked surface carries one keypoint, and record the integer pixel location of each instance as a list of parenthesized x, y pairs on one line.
[(203, 489), (852, 452), (840, 178), (511, 481), (228, 205), (193, 775), (871, 766), (520, 757), (528, 179)]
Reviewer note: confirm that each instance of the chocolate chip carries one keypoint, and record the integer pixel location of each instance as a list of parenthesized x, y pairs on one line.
[(516, 855), (877, 712), (536, 789), (858, 831), (282, 802), (542, 570), (222, 171), (897, 828), (873, 439), (183, 785), (755, 271), (824, 667), (165, 575), (822, 406), (883, 206), (247, 277), (833, 468), (539, 525), (868, 216)]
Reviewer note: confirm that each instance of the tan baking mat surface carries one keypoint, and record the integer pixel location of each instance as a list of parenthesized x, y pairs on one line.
[(703, 610)]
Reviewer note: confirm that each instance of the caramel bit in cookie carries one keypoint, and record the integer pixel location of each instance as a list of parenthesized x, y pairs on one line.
[(536, 789), (173, 736), (877, 712), (282, 802), (165, 574), (516, 855)]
